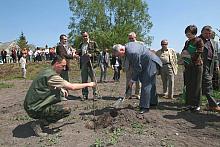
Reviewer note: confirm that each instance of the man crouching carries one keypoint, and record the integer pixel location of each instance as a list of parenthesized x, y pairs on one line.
[(45, 93)]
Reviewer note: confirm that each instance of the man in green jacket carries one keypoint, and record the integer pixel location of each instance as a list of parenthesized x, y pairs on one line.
[(45, 93), (88, 52)]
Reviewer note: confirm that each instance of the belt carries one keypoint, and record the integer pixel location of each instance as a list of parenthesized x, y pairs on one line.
[(166, 63)]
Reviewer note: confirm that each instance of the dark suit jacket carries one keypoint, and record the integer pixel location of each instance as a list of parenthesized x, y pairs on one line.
[(113, 61), (61, 51)]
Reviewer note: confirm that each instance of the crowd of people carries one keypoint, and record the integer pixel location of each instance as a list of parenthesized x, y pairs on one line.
[(39, 54), (141, 65)]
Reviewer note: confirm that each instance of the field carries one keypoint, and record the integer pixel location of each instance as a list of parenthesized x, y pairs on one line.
[(94, 124)]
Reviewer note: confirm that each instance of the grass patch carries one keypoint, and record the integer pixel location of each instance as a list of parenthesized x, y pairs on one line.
[(5, 85), (22, 118), (138, 128), (50, 140), (216, 95)]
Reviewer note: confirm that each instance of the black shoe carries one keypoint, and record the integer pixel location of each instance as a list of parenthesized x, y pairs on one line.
[(195, 109), (144, 110)]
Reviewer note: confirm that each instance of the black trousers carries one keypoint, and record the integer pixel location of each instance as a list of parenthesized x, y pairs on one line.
[(193, 82)]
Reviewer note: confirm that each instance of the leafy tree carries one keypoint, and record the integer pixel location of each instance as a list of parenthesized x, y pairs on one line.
[(109, 21), (22, 42)]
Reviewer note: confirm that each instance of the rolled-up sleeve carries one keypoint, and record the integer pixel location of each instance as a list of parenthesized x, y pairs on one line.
[(57, 81)]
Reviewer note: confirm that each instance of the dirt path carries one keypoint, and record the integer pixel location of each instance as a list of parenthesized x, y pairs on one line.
[(165, 126)]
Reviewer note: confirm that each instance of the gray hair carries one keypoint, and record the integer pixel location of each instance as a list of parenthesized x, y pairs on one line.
[(133, 34), (117, 47)]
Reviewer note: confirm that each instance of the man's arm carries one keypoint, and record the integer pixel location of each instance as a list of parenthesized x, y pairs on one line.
[(57, 82), (77, 86)]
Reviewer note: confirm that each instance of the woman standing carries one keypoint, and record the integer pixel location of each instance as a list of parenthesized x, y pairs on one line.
[(193, 63)]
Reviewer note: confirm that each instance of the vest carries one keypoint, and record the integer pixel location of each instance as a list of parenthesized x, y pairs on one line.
[(40, 94)]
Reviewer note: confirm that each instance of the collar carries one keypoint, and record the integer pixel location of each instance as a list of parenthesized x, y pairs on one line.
[(87, 41)]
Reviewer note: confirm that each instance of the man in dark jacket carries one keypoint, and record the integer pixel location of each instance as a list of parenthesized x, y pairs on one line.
[(210, 63), (46, 92), (64, 50), (4, 56)]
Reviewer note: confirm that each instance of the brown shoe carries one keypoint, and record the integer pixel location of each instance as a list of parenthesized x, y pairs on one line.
[(137, 96), (216, 109)]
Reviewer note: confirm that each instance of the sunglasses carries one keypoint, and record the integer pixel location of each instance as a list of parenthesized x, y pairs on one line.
[(163, 44)]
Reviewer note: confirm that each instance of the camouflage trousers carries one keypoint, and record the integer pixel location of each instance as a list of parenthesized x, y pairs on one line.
[(51, 113)]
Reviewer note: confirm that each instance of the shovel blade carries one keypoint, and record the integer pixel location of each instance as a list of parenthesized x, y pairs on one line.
[(118, 103)]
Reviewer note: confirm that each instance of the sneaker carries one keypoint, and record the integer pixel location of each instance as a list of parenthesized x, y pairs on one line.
[(216, 109), (36, 127), (84, 97)]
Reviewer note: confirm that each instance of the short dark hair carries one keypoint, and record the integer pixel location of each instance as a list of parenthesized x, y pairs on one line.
[(58, 59), (206, 28), (62, 35), (192, 29)]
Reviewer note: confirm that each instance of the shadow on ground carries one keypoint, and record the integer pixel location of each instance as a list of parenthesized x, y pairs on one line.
[(200, 120), (25, 130)]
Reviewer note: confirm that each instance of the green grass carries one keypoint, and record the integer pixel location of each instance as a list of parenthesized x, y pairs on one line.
[(5, 85), (216, 95)]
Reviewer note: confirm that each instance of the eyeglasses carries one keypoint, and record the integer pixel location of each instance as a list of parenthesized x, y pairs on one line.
[(85, 36), (164, 44)]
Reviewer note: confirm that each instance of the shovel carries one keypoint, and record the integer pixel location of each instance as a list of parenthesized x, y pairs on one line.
[(121, 100)]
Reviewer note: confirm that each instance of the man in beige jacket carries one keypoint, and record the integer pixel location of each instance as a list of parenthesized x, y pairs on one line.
[(169, 69)]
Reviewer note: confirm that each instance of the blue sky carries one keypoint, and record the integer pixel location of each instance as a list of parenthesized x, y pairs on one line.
[(42, 21)]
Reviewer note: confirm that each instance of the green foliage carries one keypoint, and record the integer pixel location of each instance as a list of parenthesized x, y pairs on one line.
[(98, 143), (138, 127), (13, 71), (115, 136), (22, 42), (5, 85), (22, 117), (216, 94), (50, 140), (109, 21)]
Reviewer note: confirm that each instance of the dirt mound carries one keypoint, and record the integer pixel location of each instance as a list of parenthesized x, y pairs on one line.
[(117, 118)]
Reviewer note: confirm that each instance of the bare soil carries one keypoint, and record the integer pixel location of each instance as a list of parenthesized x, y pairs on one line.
[(97, 123)]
